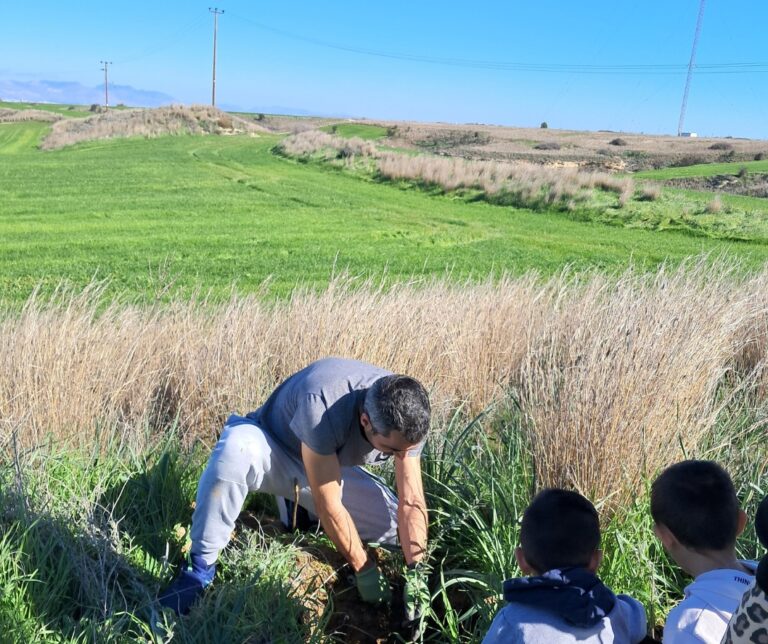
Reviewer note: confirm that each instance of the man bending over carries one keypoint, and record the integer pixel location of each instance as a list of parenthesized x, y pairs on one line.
[(308, 442)]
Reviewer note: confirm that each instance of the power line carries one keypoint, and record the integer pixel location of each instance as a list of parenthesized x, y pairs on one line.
[(555, 68), (216, 13), (167, 42)]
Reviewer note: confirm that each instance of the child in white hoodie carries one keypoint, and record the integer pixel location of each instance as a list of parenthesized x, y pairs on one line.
[(697, 519)]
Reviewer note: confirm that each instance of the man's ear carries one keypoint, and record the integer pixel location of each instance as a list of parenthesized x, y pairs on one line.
[(664, 534), (523, 563), (365, 420), (741, 522), (595, 560)]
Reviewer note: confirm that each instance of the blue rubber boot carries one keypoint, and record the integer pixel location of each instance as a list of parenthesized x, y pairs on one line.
[(188, 586)]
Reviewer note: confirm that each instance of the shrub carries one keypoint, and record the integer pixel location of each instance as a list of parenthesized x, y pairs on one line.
[(617, 141), (95, 107), (715, 206), (225, 122), (743, 172), (689, 159), (543, 125), (452, 139), (547, 145), (259, 117), (20, 116), (759, 156), (173, 119), (649, 192), (721, 146)]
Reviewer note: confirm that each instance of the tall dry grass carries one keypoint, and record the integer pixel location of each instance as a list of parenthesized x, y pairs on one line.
[(614, 377), (520, 183), (21, 116), (173, 119), (310, 142), (633, 373)]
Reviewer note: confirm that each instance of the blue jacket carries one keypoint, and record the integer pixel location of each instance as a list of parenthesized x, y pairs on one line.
[(569, 605)]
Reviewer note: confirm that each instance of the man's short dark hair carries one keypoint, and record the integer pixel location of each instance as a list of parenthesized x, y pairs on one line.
[(697, 502), (560, 529), (398, 403)]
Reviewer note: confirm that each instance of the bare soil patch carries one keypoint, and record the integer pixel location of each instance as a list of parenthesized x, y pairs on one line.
[(751, 185), (595, 150), (324, 578)]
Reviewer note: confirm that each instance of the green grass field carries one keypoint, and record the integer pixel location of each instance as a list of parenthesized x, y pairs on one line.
[(360, 130), (217, 211), (89, 535), (704, 170), (88, 538), (65, 110), (17, 138)]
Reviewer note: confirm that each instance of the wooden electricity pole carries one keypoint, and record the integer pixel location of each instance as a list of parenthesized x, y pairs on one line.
[(216, 13), (105, 69)]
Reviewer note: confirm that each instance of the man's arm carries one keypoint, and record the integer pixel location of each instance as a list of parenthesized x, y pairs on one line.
[(412, 507), (324, 474)]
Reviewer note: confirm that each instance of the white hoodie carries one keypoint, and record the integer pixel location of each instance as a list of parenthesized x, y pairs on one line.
[(708, 604)]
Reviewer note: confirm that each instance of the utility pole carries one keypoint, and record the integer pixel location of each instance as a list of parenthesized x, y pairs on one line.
[(216, 13), (691, 65), (105, 69)]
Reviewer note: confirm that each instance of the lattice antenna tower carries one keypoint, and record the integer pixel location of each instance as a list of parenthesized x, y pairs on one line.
[(691, 65)]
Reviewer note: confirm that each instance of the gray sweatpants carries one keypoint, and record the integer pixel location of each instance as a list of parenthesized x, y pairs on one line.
[(247, 459)]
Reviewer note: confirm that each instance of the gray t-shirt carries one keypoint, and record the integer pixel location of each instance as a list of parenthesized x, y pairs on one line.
[(320, 406)]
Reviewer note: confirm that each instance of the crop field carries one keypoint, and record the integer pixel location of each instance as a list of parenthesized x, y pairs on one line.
[(705, 170), (152, 285), (213, 213)]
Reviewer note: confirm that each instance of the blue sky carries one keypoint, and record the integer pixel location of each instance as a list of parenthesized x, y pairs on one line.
[(431, 61)]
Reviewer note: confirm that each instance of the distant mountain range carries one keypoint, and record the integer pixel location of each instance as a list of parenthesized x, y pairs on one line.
[(45, 91)]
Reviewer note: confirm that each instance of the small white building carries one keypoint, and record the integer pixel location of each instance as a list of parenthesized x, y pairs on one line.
[(689, 135)]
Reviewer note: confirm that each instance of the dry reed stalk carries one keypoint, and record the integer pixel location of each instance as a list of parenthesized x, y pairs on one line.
[(312, 142), (21, 116), (70, 365), (530, 183), (625, 375), (715, 206), (612, 375)]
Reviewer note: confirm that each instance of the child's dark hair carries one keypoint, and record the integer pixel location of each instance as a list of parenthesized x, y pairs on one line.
[(697, 502), (560, 529)]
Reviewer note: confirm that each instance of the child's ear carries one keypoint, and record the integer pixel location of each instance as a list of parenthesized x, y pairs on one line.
[(595, 560), (664, 534), (523, 563), (741, 522)]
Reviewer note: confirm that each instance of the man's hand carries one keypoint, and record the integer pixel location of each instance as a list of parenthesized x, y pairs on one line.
[(416, 596), (373, 586)]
